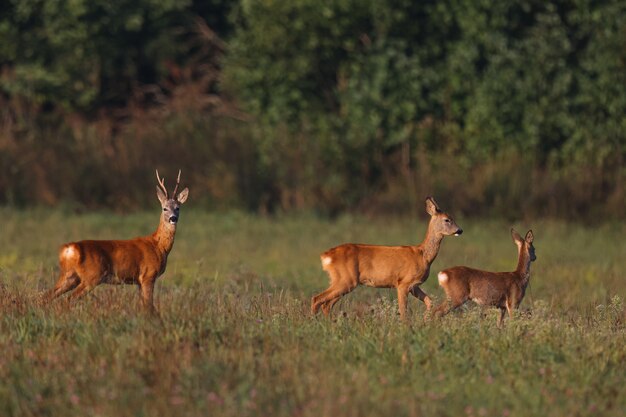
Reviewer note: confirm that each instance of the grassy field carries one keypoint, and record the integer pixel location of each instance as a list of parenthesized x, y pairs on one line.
[(237, 339)]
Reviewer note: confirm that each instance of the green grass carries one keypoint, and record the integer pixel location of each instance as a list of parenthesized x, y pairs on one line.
[(237, 339)]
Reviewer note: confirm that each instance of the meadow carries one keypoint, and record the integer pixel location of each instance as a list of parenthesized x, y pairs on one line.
[(236, 337)]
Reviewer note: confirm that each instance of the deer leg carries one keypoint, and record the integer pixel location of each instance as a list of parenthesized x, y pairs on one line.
[(417, 292), (331, 298), (402, 294), (82, 289), (88, 281), (66, 282), (315, 301), (147, 296), (328, 305), (336, 290)]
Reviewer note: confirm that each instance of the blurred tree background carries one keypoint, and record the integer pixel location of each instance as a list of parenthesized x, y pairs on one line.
[(505, 108)]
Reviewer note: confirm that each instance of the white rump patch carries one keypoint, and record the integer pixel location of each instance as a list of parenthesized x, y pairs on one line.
[(443, 277), (327, 260), (70, 251)]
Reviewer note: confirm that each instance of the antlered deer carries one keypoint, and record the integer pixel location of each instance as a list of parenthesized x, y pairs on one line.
[(89, 263), (402, 267), (504, 290)]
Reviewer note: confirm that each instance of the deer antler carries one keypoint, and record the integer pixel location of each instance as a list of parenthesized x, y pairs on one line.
[(177, 182), (162, 182)]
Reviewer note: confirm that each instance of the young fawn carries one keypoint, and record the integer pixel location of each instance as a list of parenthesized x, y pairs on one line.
[(89, 263), (402, 267), (504, 290)]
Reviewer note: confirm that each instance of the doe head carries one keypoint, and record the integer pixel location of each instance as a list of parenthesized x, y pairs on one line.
[(170, 204), (525, 244), (441, 222)]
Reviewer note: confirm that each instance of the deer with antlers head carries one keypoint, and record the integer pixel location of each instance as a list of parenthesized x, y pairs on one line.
[(140, 261)]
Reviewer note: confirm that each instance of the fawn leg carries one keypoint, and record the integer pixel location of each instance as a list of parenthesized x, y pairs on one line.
[(510, 306), (446, 306), (501, 318)]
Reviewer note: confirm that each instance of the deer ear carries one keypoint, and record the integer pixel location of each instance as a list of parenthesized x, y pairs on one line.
[(530, 237), (182, 196), (161, 195), (431, 206), (516, 236)]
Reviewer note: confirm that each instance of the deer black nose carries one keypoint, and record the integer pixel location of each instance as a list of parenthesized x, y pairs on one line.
[(458, 232), (173, 219)]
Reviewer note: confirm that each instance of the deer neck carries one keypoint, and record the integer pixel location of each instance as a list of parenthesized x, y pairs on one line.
[(431, 245), (164, 236), (523, 266)]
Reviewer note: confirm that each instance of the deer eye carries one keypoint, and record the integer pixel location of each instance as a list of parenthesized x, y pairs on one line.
[(447, 220), (164, 208)]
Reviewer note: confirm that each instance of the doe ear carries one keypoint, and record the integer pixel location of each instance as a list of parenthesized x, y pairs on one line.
[(530, 237), (161, 195), (431, 206), (516, 236), (182, 196)]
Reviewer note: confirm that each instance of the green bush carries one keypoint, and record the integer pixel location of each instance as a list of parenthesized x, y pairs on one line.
[(513, 105)]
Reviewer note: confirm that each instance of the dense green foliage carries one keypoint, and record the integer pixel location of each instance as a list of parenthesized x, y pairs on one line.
[(83, 54), (236, 337), (479, 76), (335, 105)]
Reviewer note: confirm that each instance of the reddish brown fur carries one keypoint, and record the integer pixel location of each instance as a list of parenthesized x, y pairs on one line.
[(504, 290), (89, 263), (402, 267)]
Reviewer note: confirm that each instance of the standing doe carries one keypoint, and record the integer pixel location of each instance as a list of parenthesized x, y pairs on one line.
[(402, 267), (89, 263), (504, 290)]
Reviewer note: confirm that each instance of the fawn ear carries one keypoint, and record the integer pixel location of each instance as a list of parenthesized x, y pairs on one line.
[(431, 206), (161, 195), (516, 236), (182, 196), (530, 237)]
